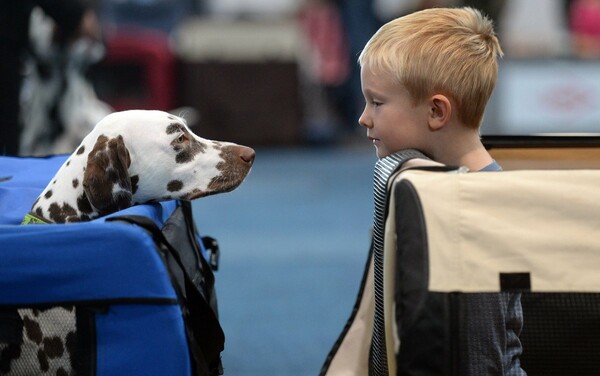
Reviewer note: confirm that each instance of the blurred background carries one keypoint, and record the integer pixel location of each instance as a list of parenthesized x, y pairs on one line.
[(281, 76), (279, 73)]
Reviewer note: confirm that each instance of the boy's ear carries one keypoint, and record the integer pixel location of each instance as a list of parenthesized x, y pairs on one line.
[(440, 111)]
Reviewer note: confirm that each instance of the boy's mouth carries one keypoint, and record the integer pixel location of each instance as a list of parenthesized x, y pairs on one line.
[(373, 139)]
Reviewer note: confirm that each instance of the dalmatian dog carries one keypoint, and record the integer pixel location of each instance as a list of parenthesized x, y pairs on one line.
[(135, 157), (129, 158)]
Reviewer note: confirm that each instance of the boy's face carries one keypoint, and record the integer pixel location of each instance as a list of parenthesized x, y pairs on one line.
[(392, 120)]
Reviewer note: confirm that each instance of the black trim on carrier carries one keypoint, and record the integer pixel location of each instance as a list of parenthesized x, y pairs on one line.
[(514, 282), (421, 316)]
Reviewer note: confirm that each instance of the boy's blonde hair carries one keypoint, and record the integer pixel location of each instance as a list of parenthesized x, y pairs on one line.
[(449, 51)]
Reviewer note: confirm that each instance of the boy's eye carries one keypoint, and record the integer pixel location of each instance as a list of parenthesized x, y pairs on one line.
[(376, 103)]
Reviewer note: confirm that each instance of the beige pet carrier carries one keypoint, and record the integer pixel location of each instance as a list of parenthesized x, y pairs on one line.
[(450, 234)]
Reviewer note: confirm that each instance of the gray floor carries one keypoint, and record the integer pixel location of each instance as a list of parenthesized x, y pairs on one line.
[(294, 239)]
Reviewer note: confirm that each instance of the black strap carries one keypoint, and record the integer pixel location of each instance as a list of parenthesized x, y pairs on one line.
[(205, 336), (153, 229)]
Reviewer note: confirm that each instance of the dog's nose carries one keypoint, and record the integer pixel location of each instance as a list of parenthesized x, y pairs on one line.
[(247, 154)]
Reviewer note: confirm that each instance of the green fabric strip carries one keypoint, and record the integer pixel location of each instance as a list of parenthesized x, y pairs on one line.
[(31, 219)]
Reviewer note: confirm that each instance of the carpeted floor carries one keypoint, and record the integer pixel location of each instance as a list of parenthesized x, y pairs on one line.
[(294, 239)]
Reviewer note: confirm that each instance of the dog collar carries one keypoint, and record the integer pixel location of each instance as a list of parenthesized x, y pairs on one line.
[(32, 219)]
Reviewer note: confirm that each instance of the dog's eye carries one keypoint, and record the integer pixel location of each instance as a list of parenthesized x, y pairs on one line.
[(182, 138)]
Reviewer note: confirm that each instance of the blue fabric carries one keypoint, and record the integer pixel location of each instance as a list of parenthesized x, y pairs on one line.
[(21, 182), (79, 262), (50, 263), (141, 340)]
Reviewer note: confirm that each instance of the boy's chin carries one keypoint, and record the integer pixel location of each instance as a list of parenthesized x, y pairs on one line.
[(382, 153)]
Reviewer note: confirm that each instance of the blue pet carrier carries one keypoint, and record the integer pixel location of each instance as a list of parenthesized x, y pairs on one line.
[(138, 281)]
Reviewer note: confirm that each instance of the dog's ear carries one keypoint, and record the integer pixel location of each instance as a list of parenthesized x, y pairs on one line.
[(106, 179)]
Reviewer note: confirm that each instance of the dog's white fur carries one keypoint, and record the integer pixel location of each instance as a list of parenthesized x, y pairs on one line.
[(139, 156)]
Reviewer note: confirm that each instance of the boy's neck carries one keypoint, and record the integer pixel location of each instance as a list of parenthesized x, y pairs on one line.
[(476, 159), (464, 149)]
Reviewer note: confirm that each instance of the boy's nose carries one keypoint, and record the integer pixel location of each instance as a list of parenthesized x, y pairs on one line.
[(364, 120)]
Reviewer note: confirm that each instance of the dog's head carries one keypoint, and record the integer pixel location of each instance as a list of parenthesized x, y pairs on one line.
[(143, 156)]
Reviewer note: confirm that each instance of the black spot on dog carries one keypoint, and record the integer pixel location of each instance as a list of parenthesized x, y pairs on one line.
[(185, 145), (83, 204), (173, 127), (7, 355), (61, 372), (134, 183), (59, 214), (174, 185), (195, 193), (75, 183), (230, 171), (107, 165), (113, 175), (39, 212), (81, 150), (48, 194), (116, 146), (188, 152), (68, 162), (122, 200), (33, 331)]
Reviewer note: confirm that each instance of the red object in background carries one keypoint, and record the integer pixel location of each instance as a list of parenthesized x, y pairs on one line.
[(584, 20), (585, 17), (322, 25), (148, 51)]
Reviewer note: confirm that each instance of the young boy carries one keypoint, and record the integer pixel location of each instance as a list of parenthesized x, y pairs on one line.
[(426, 78)]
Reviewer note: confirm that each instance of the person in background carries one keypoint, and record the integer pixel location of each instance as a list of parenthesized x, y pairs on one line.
[(73, 18), (359, 23)]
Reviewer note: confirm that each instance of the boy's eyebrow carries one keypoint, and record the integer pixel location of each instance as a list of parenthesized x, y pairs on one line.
[(367, 90), (367, 94), (372, 93)]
